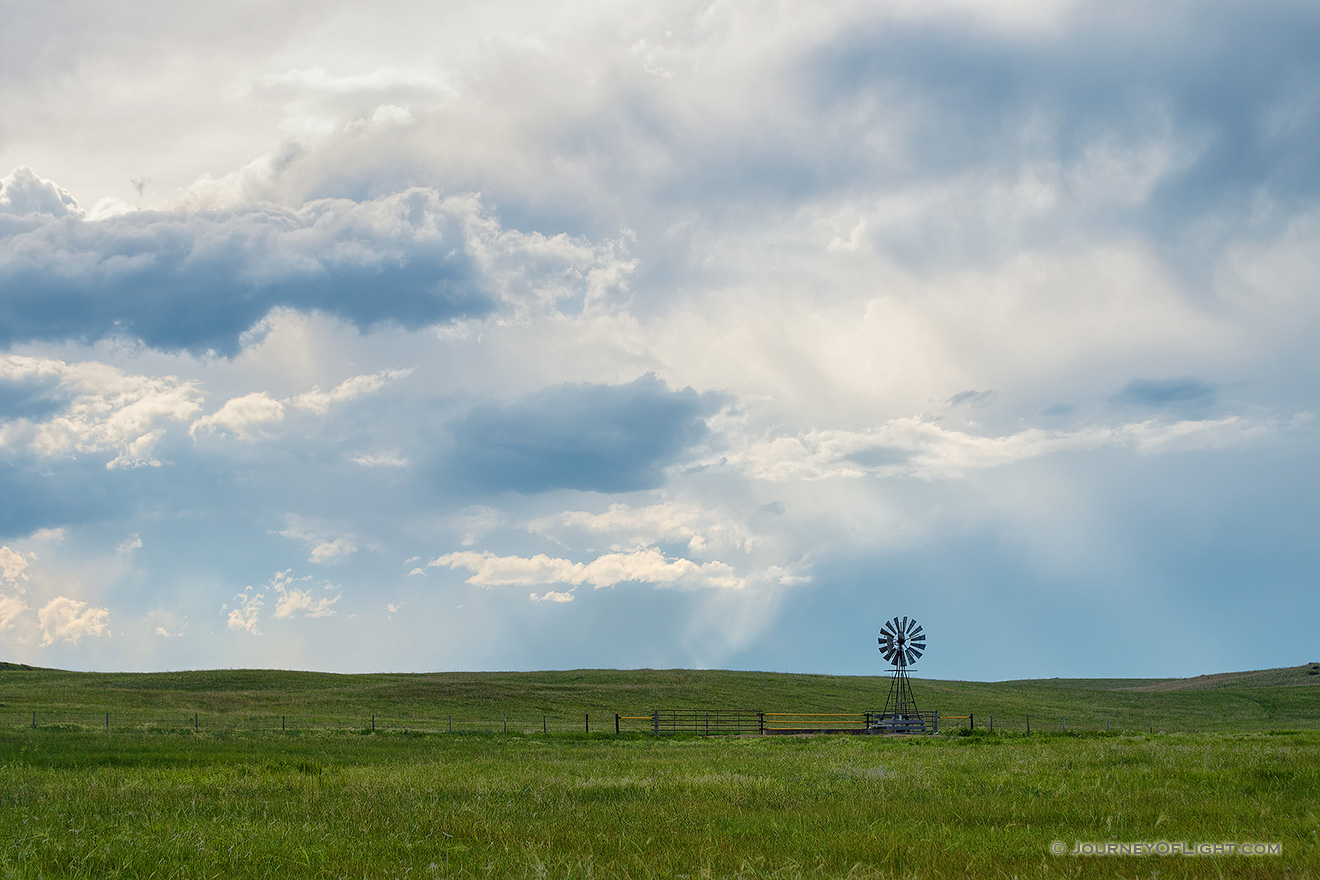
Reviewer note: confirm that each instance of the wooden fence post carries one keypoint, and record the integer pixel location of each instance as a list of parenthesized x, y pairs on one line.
[(1064, 719), (616, 723), (451, 723), (992, 724), (971, 720), (373, 722), (655, 722), (586, 719), (1028, 725), (543, 722)]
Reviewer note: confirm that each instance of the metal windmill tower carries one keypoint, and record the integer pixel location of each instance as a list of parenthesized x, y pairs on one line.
[(902, 642)]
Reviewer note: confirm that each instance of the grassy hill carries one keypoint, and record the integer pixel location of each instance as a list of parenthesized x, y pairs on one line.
[(1272, 699)]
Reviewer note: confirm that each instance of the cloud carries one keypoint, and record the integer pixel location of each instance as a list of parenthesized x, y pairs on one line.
[(14, 565), (301, 603), (64, 619), (624, 526), (198, 281), (927, 450), (244, 417), (247, 616), (319, 401), (11, 608), (129, 544), (1164, 393), (604, 438), (648, 566), (381, 459), (326, 546), (91, 407), (23, 192)]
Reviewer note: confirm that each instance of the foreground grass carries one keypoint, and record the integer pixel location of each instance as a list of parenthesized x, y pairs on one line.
[(329, 804)]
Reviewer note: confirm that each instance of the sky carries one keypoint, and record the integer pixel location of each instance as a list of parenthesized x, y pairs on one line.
[(504, 335)]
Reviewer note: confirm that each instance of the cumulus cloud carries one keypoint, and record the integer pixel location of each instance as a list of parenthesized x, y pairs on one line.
[(64, 619), (23, 192), (648, 566), (199, 280), (244, 417), (91, 407), (291, 601), (319, 401), (325, 545), (624, 526), (13, 566), (605, 438), (247, 616)]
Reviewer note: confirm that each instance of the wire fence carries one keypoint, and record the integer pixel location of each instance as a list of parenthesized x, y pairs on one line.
[(701, 722)]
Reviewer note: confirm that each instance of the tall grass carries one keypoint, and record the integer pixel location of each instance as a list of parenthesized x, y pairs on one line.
[(330, 804)]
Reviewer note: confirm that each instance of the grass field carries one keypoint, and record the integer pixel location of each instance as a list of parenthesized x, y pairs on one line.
[(269, 699), (76, 801)]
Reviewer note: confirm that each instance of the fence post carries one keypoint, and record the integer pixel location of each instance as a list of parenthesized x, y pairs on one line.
[(760, 722), (971, 720), (1106, 727), (107, 722), (197, 725), (586, 719), (506, 722), (451, 723), (373, 722), (1064, 719), (655, 722), (708, 723), (34, 720), (543, 722), (616, 722), (937, 720), (992, 724), (1028, 725)]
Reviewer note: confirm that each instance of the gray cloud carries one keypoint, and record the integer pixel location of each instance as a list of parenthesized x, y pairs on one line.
[(602, 438), (199, 281), (1180, 392)]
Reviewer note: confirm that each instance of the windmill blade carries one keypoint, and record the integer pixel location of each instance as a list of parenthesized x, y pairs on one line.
[(896, 626), (903, 629), (918, 643), (916, 632), (916, 654)]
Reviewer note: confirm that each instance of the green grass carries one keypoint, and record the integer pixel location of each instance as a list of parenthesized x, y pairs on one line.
[(154, 797), (263, 699), (341, 804)]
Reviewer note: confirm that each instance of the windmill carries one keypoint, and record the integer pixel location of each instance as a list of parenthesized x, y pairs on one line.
[(902, 642)]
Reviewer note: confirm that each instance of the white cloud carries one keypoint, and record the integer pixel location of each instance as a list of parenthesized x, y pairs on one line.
[(626, 527), (64, 619), (96, 407), (319, 401), (247, 616), (552, 596), (14, 565), (129, 544), (927, 450), (242, 416), (326, 546), (11, 608), (642, 566), (380, 459), (303, 604)]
